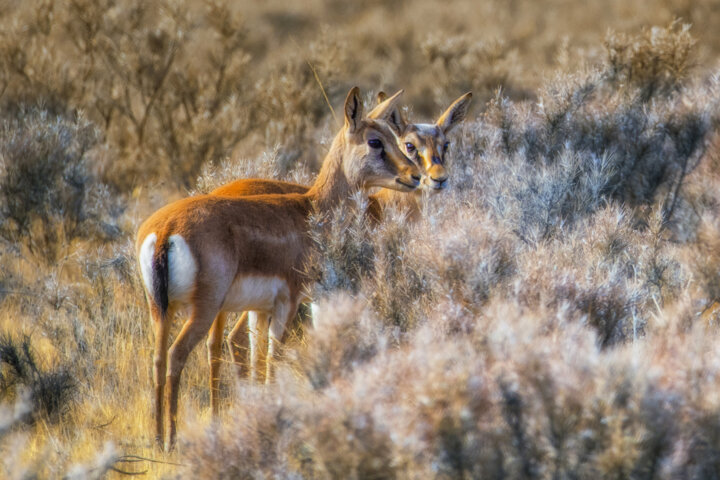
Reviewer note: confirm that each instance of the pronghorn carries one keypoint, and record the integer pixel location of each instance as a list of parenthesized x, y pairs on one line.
[(425, 144), (218, 254)]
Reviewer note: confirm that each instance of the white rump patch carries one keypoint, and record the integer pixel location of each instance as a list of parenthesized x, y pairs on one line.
[(146, 255), (181, 269), (254, 292)]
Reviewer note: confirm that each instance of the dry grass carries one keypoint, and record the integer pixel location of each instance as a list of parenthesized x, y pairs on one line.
[(540, 321)]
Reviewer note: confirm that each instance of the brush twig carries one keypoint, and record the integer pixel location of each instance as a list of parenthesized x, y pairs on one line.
[(327, 100)]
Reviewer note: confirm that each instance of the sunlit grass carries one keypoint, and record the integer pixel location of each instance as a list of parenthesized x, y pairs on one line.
[(541, 320)]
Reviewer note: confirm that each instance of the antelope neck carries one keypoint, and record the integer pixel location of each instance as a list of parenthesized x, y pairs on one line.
[(332, 184)]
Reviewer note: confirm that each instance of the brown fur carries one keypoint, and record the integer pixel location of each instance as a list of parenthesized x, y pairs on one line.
[(257, 186), (232, 239)]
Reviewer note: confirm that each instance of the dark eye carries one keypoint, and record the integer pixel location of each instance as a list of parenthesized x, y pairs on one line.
[(375, 143), (410, 147), (446, 146)]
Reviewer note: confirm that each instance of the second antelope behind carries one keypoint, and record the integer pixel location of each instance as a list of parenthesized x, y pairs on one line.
[(217, 254)]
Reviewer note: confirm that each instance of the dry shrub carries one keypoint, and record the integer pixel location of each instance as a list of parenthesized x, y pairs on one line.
[(623, 149), (49, 393), (459, 64), (540, 319), (344, 336), (257, 441), (463, 262), (657, 61), (348, 444), (49, 195), (160, 78), (705, 260), (170, 83), (515, 399), (343, 252), (397, 288)]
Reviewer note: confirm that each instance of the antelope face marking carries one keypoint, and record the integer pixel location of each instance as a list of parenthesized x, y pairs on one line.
[(427, 145)]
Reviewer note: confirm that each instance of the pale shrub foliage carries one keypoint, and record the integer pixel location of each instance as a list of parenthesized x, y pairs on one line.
[(540, 320)]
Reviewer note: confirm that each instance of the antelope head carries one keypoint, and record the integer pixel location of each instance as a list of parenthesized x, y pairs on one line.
[(372, 157)]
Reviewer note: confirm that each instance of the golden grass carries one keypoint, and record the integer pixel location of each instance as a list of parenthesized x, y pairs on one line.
[(540, 321)]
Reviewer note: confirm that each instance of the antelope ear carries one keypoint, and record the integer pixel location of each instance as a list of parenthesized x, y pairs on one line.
[(455, 113), (396, 120), (386, 108), (353, 110)]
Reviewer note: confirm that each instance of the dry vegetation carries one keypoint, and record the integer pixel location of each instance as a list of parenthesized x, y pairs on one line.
[(541, 321)]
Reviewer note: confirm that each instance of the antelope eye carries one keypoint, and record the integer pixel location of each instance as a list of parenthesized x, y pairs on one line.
[(410, 147), (375, 143), (446, 146)]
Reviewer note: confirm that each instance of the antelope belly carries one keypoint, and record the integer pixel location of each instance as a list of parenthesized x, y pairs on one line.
[(254, 293)]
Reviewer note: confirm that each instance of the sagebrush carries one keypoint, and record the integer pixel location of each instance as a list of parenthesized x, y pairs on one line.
[(543, 319)]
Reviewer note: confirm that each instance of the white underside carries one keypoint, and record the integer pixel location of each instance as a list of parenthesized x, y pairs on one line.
[(255, 293)]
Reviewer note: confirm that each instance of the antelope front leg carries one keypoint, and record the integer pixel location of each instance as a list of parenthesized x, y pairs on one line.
[(214, 346), (282, 314), (238, 340), (258, 328)]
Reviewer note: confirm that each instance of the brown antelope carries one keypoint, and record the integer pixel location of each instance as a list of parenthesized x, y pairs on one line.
[(217, 254), (425, 144)]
